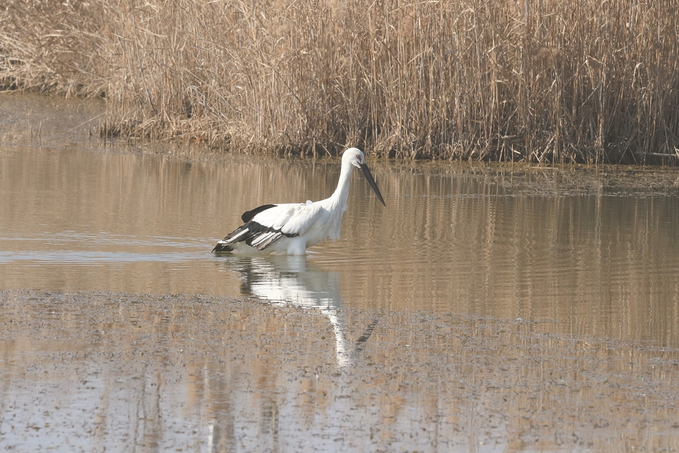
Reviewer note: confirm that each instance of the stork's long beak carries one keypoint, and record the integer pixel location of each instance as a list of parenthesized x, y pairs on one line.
[(371, 181)]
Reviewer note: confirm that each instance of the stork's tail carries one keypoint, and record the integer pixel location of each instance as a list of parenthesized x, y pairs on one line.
[(222, 246)]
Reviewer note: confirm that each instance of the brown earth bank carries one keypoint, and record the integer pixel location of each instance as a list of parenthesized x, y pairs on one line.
[(546, 81), (98, 370)]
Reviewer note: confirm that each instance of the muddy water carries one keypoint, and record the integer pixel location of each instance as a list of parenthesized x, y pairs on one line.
[(486, 308)]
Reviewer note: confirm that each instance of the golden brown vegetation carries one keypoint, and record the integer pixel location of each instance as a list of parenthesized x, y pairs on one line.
[(536, 80)]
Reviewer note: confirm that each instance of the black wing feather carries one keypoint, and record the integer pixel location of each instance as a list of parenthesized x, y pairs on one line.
[(253, 234), (248, 215)]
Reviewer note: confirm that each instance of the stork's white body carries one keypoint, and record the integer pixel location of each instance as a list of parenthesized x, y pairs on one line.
[(311, 222), (291, 228)]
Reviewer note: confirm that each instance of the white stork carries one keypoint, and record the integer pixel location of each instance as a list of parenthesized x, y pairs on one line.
[(292, 227)]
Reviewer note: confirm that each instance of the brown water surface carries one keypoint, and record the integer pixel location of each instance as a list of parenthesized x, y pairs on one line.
[(488, 307)]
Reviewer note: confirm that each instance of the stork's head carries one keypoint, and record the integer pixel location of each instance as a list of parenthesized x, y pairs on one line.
[(355, 157)]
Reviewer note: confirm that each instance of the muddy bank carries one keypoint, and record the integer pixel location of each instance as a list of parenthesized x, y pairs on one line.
[(95, 371)]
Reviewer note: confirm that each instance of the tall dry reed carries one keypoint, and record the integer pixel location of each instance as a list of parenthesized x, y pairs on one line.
[(535, 80)]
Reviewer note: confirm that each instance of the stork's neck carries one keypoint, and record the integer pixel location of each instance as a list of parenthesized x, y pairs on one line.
[(341, 194)]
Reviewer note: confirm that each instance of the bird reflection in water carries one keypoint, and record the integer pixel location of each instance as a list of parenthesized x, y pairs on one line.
[(292, 280)]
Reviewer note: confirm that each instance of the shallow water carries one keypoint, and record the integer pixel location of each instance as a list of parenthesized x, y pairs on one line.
[(493, 263), (593, 252)]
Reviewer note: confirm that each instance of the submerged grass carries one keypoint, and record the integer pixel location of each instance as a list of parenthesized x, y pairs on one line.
[(529, 80)]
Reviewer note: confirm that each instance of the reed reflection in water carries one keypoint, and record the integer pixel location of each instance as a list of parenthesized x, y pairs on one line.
[(533, 244), (594, 252)]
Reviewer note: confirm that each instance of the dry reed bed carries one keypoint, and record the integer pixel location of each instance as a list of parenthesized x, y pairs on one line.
[(585, 81)]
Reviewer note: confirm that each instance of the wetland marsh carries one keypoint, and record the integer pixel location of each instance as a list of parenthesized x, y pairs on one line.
[(487, 308)]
